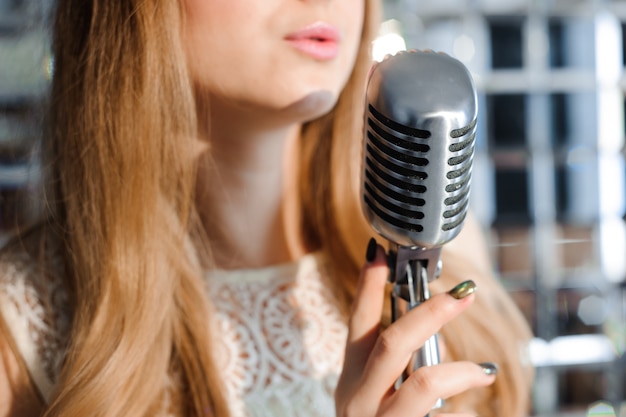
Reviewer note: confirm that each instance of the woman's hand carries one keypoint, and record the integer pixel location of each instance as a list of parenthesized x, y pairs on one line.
[(374, 361)]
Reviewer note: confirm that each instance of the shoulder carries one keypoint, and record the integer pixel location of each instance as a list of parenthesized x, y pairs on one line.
[(34, 304)]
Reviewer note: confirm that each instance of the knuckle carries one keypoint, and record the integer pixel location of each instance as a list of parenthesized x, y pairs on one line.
[(388, 340), (422, 382)]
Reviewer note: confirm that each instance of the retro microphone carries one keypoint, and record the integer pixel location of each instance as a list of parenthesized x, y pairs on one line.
[(420, 124)]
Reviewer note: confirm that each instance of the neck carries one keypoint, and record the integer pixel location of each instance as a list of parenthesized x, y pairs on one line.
[(247, 194)]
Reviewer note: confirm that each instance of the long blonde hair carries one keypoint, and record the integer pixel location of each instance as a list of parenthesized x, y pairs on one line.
[(120, 147), (122, 118)]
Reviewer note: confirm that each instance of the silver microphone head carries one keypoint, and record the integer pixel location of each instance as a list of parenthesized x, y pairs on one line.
[(420, 126)]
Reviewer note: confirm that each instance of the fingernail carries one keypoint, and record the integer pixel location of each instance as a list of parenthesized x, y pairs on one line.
[(489, 368), (463, 290), (372, 246)]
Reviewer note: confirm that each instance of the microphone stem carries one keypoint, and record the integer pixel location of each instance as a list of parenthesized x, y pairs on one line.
[(411, 269)]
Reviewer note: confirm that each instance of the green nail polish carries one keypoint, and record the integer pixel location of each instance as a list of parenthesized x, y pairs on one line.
[(489, 368), (463, 289)]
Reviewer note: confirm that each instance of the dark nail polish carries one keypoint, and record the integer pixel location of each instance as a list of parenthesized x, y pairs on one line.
[(463, 290), (372, 247), (489, 368)]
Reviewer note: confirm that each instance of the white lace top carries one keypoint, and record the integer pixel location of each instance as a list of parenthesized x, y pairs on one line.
[(283, 340), (280, 342)]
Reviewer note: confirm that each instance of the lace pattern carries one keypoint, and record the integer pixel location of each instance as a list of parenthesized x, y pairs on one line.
[(281, 340)]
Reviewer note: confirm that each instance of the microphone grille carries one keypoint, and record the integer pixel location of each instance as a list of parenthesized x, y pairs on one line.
[(416, 178)]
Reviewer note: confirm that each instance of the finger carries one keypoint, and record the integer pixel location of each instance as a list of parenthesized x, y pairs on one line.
[(367, 306), (397, 343), (422, 389), (368, 302)]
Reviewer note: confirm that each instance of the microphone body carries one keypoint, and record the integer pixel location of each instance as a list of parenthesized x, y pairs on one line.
[(420, 126)]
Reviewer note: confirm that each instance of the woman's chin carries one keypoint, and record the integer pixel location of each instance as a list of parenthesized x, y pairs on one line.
[(312, 105)]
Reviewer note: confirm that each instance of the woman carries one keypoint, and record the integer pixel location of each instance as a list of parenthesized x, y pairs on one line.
[(204, 240)]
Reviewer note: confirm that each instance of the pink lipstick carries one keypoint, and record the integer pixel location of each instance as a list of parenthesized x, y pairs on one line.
[(319, 40)]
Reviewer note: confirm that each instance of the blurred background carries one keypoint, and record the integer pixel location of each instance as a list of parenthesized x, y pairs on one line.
[(25, 71), (549, 178)]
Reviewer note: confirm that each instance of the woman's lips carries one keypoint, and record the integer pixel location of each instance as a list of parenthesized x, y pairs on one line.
[(319, 40)]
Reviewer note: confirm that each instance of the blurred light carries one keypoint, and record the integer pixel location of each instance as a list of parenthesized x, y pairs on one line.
[(389, 41), (464, 48), (611, 184), (48, 67), (387, 45), (608, 48), (610, 119), (592, 310), (612, 248), (601, 409), (572, 350)]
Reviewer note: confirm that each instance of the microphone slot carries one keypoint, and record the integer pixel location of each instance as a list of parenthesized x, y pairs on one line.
[(456, 211), (459, 146), (395, 126), (403, 198), (450, 201), (401, 211), (457, 133), (458, 172), (399, 142), (398, 183), (453, 225), (457, 160), (411, 227), (458, 185), (400, 156), (393, 167)]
